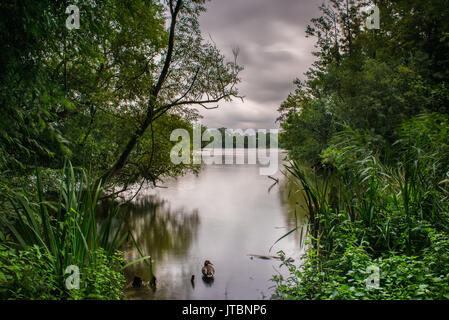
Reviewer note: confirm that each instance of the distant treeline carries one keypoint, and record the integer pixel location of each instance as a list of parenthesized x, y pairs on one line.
[(242, 139)]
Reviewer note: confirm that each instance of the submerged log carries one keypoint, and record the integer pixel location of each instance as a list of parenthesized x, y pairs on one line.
[(153, 282), (137, 282)]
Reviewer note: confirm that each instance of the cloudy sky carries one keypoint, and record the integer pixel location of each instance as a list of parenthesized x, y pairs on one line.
[(273, 50)]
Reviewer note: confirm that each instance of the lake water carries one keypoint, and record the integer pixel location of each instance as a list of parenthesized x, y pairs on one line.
[(224, 214)]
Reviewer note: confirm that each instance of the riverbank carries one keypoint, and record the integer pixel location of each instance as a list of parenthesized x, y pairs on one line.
[(377, 229)]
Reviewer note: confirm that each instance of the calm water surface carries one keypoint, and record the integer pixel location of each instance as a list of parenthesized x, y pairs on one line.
[(224, 214)]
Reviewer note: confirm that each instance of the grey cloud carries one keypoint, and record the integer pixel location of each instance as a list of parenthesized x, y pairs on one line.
[(273, 50)]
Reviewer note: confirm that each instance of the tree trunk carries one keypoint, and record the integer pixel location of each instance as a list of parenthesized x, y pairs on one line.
[(121, 162)]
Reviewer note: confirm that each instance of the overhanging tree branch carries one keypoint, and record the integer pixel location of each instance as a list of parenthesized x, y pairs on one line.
[(120, 163), (192, 73)]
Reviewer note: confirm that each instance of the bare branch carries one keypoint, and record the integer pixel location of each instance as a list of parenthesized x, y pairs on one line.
[(160, 111), (171, 7), (168, 57), (191, 86), (208, 108)]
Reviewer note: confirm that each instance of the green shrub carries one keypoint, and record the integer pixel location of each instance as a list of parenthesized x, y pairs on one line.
[(102, 280), (65, 233), (344, 276), (369, 208), (26, 274), (29, 275)]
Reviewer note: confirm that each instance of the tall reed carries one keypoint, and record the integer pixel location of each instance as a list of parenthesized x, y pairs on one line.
[(68, 229)]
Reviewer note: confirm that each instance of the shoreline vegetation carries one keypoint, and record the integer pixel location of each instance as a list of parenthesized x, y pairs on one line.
[(85, 113), (372, 119), (89, 113), (53, 237)]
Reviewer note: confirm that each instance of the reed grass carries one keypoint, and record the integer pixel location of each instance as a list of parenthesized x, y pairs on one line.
[(68, 229)]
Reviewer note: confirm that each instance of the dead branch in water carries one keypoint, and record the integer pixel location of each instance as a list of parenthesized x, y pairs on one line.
[(274, 179), (268, 257)]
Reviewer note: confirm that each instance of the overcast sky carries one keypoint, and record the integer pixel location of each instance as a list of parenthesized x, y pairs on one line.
[(273, 50)]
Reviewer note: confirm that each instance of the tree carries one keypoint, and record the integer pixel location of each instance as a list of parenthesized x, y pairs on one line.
[(368, 79), (191, 72), (94, 95), (27, 94)]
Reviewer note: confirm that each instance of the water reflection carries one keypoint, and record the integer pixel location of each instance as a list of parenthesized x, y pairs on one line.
[(159, 230), (292, 199), (225, 214), (208, 281)]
